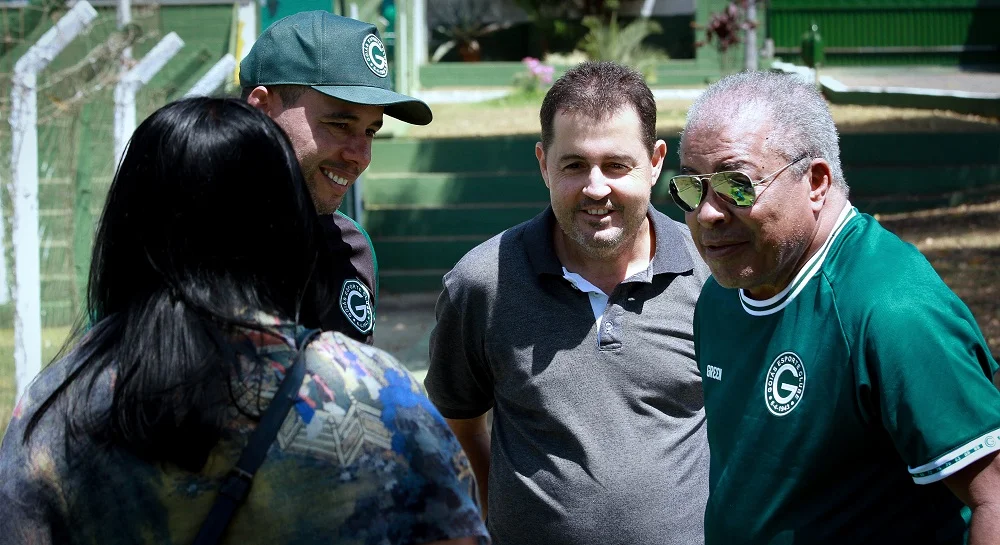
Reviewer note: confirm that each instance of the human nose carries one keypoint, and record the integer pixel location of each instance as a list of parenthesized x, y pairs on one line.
[(358, 150), (597, 187), (712, 211)]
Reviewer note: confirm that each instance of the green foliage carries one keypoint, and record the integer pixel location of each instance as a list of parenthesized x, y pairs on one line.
[(609, 41), (551, 17), (463, 23)]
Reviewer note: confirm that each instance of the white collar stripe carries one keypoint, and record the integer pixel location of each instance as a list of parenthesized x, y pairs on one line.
[(801, 279)]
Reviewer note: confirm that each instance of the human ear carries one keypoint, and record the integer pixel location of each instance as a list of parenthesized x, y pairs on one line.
[(820, 182), (540, 155), (265, 100), (657, 158)]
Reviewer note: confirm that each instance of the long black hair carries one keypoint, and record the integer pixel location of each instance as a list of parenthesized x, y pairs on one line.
[(208, 221)]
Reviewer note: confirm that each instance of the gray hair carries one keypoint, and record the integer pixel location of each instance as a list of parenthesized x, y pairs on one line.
[(799, 113)]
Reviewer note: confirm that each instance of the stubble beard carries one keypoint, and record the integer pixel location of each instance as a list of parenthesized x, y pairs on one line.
[(777, 272), (311, 173), (603, 244)]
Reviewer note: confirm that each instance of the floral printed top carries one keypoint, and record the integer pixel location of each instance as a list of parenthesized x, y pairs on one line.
[(362, 458)]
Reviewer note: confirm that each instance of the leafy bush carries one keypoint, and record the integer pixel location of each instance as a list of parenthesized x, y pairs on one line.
[(609, 41)]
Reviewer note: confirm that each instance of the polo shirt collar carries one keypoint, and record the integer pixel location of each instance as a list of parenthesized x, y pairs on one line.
[(671, 257)]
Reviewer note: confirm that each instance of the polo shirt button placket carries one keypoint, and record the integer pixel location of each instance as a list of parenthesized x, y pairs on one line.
[(608, 336)]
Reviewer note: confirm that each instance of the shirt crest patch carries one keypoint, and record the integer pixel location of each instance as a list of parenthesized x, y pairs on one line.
[(785, 383), (356, 304)]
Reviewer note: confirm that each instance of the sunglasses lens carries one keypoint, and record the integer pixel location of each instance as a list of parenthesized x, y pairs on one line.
[(686, 192), (735, 187)]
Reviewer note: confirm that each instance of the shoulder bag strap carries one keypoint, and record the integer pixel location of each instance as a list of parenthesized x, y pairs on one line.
[(236, 486)]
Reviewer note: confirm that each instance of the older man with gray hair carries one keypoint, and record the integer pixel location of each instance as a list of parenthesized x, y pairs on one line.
[(847, 389)]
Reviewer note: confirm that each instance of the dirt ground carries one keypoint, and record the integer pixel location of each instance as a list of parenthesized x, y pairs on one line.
[(963, 245)]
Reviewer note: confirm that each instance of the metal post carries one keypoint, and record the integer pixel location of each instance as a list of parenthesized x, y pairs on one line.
[(420, 44), (750, 47), (24, 193), (403, 46), (647, 9), (135, 79), (246, 32), (124, 18), (214, 78)]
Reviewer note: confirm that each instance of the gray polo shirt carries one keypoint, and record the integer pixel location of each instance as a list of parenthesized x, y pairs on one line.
[(597, 439)]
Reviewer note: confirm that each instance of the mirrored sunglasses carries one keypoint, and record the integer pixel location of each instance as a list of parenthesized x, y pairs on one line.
[(736, 188)]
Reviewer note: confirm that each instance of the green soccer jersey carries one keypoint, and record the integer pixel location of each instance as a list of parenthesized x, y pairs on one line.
[(829, 404)]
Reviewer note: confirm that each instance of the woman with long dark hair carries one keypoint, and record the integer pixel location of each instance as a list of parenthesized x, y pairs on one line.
[(208, 270)]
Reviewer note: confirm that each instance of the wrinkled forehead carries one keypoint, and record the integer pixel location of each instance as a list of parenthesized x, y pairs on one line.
[(726, 136)]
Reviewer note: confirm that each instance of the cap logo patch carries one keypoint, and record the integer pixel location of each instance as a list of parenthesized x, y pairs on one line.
[(374, 53)]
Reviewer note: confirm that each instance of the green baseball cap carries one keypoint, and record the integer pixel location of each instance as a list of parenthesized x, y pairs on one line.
[(337, 56)]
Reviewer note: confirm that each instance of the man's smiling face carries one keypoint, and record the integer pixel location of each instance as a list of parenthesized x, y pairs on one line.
[(600, 174), (332, 140), (757, 248)]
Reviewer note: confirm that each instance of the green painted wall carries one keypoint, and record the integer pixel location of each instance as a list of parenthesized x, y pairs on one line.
[(272, 10)]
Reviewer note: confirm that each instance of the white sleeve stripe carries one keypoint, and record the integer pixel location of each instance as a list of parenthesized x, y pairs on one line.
[(956, 460)]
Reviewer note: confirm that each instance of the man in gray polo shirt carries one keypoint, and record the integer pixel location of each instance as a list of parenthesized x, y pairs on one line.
[(576, 329)]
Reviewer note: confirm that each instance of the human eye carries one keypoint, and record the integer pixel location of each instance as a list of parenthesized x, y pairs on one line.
[(370, 133), (575, 165), (617, 168)]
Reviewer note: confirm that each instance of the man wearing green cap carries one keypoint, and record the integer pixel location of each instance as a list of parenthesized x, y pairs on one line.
[(324, 80)]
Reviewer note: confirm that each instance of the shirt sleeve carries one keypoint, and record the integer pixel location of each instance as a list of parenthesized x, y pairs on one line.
[(459, 381), (353, 259), (932, 371), (437, 499)]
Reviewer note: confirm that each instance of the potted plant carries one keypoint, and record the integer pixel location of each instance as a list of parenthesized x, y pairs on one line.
[(462, 23)]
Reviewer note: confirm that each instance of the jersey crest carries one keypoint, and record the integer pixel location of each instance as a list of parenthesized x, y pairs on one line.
[(785, 383), (356, 304)]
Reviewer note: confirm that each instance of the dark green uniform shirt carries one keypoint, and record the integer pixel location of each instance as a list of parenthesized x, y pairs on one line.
[(836, 407), (357, 277)]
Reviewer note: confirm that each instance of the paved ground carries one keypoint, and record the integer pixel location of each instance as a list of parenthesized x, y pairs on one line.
[(920, 77), (403, 327)]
